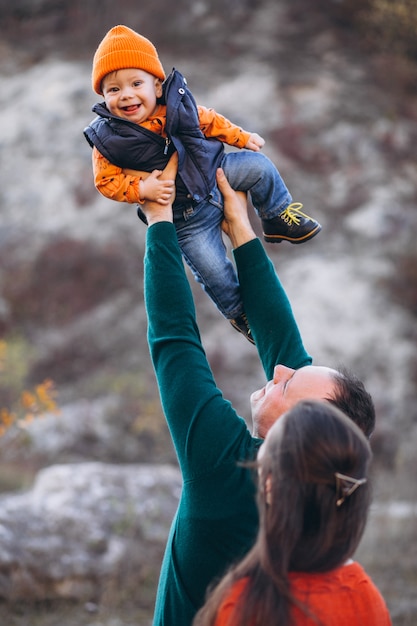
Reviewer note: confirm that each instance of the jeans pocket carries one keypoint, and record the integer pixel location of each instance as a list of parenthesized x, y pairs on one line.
[(215, 198)]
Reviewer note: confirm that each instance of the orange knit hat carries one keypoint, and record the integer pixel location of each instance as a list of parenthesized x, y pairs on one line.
[(123, 48)]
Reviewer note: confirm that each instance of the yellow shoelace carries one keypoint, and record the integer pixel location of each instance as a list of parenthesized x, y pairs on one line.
[(292, 214)]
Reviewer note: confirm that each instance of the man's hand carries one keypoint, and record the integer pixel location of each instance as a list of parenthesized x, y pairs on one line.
[(236, 222)]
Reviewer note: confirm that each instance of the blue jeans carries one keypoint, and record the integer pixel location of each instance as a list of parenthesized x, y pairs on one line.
[(253, 172), (199, 227)]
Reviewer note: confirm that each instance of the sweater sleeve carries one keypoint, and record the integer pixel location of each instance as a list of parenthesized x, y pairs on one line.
[(213, 124), (205, 429), (112, 182), (268, 310)]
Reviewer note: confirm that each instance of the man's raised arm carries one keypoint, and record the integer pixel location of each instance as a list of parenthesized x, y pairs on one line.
[(265, 302)]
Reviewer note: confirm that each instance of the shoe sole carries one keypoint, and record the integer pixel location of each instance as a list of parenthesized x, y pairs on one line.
[(239, 330), (279, 238)]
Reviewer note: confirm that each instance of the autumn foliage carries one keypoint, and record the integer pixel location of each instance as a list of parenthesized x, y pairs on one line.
[(19, 406)]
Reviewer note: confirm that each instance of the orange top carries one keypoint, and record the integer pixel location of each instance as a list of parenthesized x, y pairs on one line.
[(345, 596), (114, 183)]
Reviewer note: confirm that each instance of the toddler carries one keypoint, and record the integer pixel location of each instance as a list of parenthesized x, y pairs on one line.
[(144, 119)]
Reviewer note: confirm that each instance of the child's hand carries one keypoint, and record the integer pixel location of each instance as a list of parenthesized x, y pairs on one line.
[(255, 142), (156, 189)]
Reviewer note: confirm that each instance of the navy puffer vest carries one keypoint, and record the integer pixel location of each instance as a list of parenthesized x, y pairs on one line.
[(129, 145)]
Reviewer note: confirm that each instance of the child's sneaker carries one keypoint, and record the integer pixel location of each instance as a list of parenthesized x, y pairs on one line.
[(291, 225), (241, 324)]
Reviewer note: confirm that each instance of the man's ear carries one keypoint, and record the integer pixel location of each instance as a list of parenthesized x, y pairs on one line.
[(158, 87)]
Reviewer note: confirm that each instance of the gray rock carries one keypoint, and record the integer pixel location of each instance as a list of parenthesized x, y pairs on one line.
[(81, 526)]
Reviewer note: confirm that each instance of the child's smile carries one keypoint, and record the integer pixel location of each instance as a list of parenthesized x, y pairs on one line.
[(131, 94)]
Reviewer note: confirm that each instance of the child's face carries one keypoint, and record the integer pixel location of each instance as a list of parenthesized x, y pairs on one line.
[(131, 94)]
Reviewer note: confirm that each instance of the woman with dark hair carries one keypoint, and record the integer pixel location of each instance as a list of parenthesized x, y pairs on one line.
[(313, 500)]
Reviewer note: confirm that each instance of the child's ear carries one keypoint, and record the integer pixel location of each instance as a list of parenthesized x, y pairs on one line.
[(158, 87)]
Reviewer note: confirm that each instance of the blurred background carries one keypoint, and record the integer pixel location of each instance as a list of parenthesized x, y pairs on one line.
[(332, 87)]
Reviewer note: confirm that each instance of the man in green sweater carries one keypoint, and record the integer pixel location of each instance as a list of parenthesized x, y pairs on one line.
[(216, 521)]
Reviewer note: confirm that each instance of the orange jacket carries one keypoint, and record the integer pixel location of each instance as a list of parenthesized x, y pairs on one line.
[(122, 185), (345, 596)]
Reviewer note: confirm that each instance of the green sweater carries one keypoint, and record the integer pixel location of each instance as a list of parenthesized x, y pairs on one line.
[(216, 520)]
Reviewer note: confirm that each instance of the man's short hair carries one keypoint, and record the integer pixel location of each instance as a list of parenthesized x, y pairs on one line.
[(351, 397)]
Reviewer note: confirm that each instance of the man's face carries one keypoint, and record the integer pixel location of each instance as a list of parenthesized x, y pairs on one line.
[(288, 387)]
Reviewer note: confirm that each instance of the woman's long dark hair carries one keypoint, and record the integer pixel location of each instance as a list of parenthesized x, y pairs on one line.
[(302, 529)]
